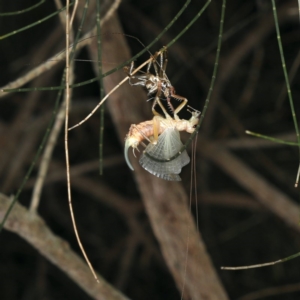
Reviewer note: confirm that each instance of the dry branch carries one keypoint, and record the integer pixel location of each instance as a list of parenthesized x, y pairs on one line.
[(255, 37), (33, 229), (267, 194), (166, 202)]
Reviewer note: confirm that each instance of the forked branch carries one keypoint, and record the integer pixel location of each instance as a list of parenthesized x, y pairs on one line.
[(32, 228)]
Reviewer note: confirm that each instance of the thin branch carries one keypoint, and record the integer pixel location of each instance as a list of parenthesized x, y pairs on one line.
[(68, 99), (270, 196), (45, 160), (32, 228), (165, 201)]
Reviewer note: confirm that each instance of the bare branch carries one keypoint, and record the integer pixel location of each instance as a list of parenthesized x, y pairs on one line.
[(33, 229)]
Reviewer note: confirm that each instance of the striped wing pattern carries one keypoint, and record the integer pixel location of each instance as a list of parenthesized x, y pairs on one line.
[(168, 144)]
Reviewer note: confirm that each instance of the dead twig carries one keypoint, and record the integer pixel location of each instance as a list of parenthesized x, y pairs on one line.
[(166, 202), (268, 195), (33, 229)]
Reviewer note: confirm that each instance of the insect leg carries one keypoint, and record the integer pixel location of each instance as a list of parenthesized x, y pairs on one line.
[(182, 104), (157, 101), (128, 71), (156, 128), (149, 65), (155, 65)]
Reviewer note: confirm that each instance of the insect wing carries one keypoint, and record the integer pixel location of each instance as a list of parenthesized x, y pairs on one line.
[(170, 177), (168, 144)]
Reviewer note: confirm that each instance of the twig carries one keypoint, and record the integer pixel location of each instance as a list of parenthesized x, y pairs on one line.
[(68, 99), (45, 160), (236, 55), (256, 143), (268, 195), (33, 229), (165, 201), (50, 63), (57, 58)]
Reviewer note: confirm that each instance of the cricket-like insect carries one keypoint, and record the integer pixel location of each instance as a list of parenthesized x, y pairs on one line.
[(164, 142), (158, 84)]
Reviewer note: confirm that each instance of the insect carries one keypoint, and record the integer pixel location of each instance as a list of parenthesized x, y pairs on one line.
[(150, 130), (158, 84), (164, 142), (129, 77), (168, 144)]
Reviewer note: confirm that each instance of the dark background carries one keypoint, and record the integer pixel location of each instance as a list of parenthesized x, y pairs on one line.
[(250, 94)]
